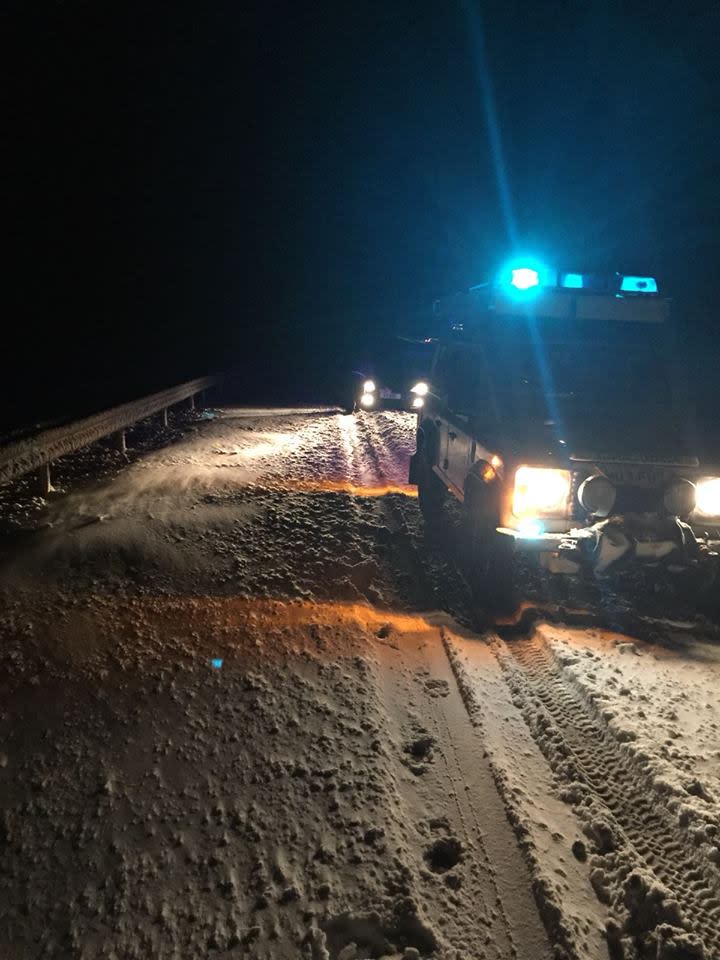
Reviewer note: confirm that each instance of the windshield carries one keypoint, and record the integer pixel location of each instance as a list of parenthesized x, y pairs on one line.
[(626, 398)]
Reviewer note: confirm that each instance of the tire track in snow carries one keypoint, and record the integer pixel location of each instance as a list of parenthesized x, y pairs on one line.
[(440, 585), (384, 443), (644, 833), (483, 885), (613, 795)]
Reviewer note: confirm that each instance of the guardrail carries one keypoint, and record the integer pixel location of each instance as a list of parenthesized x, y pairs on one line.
[(34, 454)]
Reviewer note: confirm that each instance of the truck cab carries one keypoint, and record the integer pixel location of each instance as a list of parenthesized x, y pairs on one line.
[(558, 414)]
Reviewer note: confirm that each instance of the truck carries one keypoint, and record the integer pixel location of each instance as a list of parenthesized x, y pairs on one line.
[(394, 379), (559, 415)]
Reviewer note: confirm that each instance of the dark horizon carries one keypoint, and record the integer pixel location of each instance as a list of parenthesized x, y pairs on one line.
[(193, 190)]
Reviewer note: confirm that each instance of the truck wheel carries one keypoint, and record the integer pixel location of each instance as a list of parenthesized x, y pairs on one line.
[(431, 492), (491, 560)]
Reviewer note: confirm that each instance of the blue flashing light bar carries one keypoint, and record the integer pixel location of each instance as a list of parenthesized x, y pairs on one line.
[(523, 278), (638, 285)]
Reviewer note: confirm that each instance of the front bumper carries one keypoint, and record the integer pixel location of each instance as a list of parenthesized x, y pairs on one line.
[(619, 541)]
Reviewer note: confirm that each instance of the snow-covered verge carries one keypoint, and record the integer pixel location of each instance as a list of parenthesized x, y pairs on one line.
[(651, 845)]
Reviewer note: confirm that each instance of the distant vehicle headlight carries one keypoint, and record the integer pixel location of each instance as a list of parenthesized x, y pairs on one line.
[(369, 386), (367, 400), (708, 497), (417, 403), (541, 490), (420, 390)]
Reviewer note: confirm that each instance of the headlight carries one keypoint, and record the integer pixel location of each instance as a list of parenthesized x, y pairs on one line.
[(420, 389), (541, 490), (417, 403), (708, 497), (597, 494), (367, 400), (679, 498), (369, 386)]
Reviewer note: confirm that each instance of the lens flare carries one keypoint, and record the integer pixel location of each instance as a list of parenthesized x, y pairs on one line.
[(420, 389), (367, 400), (531, 528), (369, 386)]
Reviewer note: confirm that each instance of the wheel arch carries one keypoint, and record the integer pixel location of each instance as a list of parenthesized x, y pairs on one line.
[(481, 496), (428, 442)]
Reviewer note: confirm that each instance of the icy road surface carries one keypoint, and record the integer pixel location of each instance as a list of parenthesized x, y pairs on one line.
[(242, 715)]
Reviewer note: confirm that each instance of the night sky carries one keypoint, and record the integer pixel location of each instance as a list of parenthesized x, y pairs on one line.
[(196, 187)]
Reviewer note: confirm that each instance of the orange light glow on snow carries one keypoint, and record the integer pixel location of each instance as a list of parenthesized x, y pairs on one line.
[(341, 486)]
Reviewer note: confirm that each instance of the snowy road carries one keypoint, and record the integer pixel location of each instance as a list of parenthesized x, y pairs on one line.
[(243, 716)]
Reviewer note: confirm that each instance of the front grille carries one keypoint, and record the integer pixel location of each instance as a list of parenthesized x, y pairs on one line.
[(638, 500), (629, 499)]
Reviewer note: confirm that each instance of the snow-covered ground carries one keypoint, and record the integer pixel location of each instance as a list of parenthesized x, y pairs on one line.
[(243, 715)]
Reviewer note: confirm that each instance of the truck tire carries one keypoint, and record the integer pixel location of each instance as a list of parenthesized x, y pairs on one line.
[(493, 581), (431, 492), (490, 557)]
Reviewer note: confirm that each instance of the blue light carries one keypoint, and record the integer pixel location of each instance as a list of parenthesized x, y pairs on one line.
[(573, 281), (531, 528), (639, 285), (523, 278), (216, 663), (547, 280)]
